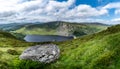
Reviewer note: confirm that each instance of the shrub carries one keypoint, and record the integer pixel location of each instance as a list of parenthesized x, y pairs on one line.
[(3, 65), (26, 64), (12, 52)]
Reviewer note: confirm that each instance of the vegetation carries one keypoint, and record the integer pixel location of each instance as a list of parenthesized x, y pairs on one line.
[(61, 28), (96, 51), (54, 28), (12, 52)]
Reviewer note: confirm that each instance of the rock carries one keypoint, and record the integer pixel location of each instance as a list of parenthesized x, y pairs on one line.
[(43, 53)]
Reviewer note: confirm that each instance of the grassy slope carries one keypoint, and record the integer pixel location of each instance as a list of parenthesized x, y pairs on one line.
[(11, 26), (54, 28), (23, 30), (8, 43), (97, 51)]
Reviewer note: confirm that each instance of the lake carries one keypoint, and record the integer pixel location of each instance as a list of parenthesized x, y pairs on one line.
[(46, 38)]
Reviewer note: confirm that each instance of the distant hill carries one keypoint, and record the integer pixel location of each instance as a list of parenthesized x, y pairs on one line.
[(55, 28), (11, 26)]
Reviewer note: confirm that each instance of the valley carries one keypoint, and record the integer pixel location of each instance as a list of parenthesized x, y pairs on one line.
[(97, 50)]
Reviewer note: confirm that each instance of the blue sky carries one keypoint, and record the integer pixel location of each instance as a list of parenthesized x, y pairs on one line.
[(93, 3), (24, 11)]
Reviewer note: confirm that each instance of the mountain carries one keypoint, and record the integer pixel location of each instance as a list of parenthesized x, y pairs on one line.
[(96, 51), (55, 28), (11, 26)]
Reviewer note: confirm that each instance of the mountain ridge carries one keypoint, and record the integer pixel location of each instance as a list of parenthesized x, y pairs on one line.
[(60, 28)]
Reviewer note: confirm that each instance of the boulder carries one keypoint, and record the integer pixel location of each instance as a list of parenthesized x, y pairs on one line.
[(43, 53)]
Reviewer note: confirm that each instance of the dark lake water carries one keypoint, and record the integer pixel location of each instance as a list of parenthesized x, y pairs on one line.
[(46, 38)]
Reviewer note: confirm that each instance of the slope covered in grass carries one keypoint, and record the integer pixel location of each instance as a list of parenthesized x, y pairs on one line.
[(12, 26), (61, 28), (96, 51), (10, 48)]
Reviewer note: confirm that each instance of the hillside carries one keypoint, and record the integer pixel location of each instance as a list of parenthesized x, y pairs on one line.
[(12, 26), (96, 51), (10, 48), (61, 28), (55, 28)]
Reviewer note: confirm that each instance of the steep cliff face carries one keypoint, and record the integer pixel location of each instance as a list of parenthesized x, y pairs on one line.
[(63, 29), (70, 29)]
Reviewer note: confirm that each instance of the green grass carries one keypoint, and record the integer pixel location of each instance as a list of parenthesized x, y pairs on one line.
[(35, 31), (96, 51), (55, 28)]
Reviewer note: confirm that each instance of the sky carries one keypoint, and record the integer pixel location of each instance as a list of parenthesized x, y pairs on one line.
[(24, 11)]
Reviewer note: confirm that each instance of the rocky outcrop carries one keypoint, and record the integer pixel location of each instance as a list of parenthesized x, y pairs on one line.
[(43, 53)]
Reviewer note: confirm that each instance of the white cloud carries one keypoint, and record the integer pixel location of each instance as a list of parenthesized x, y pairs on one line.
[(117, 11), (114, 5), (88, 11), (116, 20), (50, 10)]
